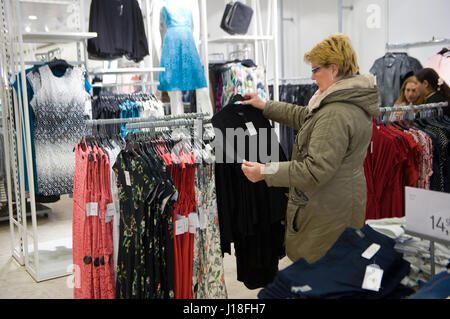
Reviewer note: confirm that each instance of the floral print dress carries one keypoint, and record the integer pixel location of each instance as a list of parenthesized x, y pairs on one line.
[(208, 272), (144, 268)]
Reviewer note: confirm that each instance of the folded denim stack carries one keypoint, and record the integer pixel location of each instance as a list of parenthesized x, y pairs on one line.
[(415, 250), (341, 272)]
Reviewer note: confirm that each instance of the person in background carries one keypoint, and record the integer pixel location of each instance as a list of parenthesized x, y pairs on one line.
[(433, 88), (409, 94), (327, 185)]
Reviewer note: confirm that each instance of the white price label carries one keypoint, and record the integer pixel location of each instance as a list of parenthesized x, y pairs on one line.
[(180, 226), (127, 178), (202, 216), (428, 213), (371, 251), (92, 209), (251, 128), (110, 210), (372, 278), (305, 288), (208, 148), (193, 223)]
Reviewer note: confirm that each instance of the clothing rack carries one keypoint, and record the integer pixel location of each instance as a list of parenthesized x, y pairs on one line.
[(172, 123), (146, 119), (420, 107), (140, 83), (128, 96), (294, 79), (433, 41)]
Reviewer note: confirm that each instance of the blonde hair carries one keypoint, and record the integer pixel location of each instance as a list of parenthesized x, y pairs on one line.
[(336, 49), (402, 99)]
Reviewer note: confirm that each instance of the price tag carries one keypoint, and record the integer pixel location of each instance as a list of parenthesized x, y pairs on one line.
[(181, 225), (296, 289), (92, 209), (371, 251), (251, 128), (428, 213), (372, 278), (127, 178), (202, 216), (208, 148), (110, 209), (193, 223)]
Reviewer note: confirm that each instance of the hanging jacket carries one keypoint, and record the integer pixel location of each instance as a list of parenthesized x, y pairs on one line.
[(327, 186), (390, 70)]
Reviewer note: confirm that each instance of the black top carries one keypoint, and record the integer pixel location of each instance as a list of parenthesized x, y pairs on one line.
[(438, 97), (120, 30), (250, 214)]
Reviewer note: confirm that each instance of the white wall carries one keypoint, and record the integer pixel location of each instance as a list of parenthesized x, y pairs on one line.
[(400, 21)]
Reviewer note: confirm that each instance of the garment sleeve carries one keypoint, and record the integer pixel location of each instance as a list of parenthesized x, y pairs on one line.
[(328, 144), (286, 113)]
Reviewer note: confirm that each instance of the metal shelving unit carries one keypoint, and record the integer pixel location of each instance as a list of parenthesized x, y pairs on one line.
[(259, 37), (42, 260)]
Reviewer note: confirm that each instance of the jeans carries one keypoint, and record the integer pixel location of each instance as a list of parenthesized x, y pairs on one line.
[(437, 288), (340, 273)]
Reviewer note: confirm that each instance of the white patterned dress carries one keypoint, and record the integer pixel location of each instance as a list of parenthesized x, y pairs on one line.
[(59, 106)]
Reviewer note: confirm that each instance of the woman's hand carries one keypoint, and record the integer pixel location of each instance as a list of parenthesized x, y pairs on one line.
[(254, 100), (253, 171)]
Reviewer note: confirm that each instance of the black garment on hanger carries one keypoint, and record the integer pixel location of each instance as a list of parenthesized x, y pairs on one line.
[(250, 214), (437, 97), (120, 30)]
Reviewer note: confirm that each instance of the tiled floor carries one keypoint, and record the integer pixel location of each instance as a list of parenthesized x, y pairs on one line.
[(15, 282)]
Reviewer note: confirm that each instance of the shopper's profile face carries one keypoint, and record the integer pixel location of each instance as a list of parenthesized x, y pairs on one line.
[(322, 75)]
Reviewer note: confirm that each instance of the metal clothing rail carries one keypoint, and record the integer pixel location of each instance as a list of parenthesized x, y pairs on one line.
[(140, 83), (413, 107), (433, 41), (146, 119), (172, 123), (292, 79)]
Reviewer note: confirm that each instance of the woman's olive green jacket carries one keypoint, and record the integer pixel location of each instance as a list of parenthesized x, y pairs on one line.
[(327, 185)]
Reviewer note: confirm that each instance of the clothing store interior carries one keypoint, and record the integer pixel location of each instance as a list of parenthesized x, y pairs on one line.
[(120, 177)]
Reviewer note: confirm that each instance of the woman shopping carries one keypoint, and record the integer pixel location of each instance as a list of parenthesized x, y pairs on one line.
[(327, 185)]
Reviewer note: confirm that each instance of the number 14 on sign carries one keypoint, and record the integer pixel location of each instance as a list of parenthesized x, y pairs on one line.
[(439, 223)]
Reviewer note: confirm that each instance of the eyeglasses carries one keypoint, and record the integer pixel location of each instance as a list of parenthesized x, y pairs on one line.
[(315, 70)]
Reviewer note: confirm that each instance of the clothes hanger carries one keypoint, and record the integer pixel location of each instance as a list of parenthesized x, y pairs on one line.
[(443, 51), (59, 64)]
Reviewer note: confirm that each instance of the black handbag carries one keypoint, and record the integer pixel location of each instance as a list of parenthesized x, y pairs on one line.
[(236, 18)]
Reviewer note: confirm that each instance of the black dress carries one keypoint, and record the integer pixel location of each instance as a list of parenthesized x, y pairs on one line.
[(250, 214), (120, 30)]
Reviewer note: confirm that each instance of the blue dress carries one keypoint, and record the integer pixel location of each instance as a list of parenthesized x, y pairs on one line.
[(179, 55)]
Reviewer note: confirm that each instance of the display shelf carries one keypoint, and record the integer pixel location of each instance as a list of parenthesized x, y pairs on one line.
[(57, 37), (241, 38)]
